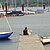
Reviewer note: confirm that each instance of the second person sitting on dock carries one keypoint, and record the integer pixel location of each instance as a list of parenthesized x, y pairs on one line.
[(25, 31), (29, 31)]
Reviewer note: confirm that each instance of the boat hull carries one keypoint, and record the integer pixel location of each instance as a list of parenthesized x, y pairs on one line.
[(45, 40), (5, 35), (15, 12)]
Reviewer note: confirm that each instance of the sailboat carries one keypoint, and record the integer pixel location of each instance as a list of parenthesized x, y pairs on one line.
[(4, 35)]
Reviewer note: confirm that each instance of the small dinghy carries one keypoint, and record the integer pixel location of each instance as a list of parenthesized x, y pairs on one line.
[(45, 40), (5, 34)]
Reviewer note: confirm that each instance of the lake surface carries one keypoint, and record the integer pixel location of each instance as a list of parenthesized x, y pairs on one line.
[(40, 24)]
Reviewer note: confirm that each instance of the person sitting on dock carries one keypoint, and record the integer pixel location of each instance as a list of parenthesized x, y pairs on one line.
[(25, 31), (29, 31)]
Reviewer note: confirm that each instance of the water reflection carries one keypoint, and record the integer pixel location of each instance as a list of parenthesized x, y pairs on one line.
[(8, 44), (8, 40), (46, 43), (5, 40)]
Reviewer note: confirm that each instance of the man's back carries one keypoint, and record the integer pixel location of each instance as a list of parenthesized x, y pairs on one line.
[(25, 32)]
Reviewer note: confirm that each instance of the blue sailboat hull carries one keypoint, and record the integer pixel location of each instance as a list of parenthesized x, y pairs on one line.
[(5, 35)]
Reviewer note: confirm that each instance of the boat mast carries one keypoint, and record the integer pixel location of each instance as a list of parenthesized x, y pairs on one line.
[(22, 1), (27, 3), (1, 1), (37, 3), (7, 2), (48, 3), (42, 3), (1, 4), (12, 3), (15, 4)]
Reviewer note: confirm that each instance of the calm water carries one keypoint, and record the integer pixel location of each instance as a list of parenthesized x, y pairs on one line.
[(40, 25)]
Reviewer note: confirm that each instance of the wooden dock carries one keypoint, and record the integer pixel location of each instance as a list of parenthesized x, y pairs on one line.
[(30, 42)]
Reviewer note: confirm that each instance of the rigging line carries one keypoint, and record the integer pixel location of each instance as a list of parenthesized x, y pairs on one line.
[(8, 24)]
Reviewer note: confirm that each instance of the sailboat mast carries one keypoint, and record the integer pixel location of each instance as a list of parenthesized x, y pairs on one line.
[(22, 1), (27, 3), (7, 2), (12, 3), (48, 5), (42, 3), (48, 2), (15, 4), (1, 4), (1, 1), (37, 3)]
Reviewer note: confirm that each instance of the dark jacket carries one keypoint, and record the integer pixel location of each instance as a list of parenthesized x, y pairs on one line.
[(25, 32)]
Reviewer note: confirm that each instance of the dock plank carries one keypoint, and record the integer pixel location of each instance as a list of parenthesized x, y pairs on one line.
[(31, 42)]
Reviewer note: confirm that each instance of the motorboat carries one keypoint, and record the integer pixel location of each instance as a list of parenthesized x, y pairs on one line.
[(39, 11), (4, 35), (28, 12), (17, 13), (45, 40)]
